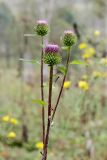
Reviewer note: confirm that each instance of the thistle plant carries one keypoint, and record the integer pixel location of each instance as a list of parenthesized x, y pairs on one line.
[(50, 55)]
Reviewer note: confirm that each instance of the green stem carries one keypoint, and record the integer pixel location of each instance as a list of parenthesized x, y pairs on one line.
[(64, 78), (49, 114)]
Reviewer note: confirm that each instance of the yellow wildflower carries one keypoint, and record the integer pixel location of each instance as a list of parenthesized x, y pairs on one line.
[(97, 74), (39, 145), (83, 85), (97, 33), (91, 50), (6, 118), (85, 77), (14, 121), (82, 46), (104, 61), (11, 135), (86, 55), (67, 84)]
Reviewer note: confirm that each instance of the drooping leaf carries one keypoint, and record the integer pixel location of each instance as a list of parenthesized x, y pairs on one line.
[(62, 69), (39, 102)]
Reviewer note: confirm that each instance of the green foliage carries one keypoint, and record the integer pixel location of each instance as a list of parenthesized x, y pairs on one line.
[(39, 102), (78, 62), (62, 69), (80, 112), (52, 59), (65, 135), (30, 61)]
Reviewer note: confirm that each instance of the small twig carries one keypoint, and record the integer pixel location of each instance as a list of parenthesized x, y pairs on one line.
[(59, 96)]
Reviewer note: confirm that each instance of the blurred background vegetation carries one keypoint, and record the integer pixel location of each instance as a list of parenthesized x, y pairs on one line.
[(80, 127)]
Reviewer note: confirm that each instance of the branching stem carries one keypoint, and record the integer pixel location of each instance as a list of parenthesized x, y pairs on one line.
[(64, 78)]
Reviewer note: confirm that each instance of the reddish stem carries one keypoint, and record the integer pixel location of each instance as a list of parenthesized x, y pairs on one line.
[(42, 96), (49, 114), (59, 96)]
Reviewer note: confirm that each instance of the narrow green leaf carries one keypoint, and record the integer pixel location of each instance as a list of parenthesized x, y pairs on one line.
[(62, 69), (64, 48), (39, 102), (29, 35), (30, 61), (78, 62), (42, 45)]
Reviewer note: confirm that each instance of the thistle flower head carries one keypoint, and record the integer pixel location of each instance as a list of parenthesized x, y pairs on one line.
[(51, 48), (52, 56), (42, 27), (69, 38)]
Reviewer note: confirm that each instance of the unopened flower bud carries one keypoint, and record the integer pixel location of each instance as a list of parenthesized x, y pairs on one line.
[(69, 38), (42, 28)]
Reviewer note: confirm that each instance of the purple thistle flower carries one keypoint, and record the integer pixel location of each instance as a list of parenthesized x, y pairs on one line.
[(42, 22), (52, 56), (68, 32), (51, 48)]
